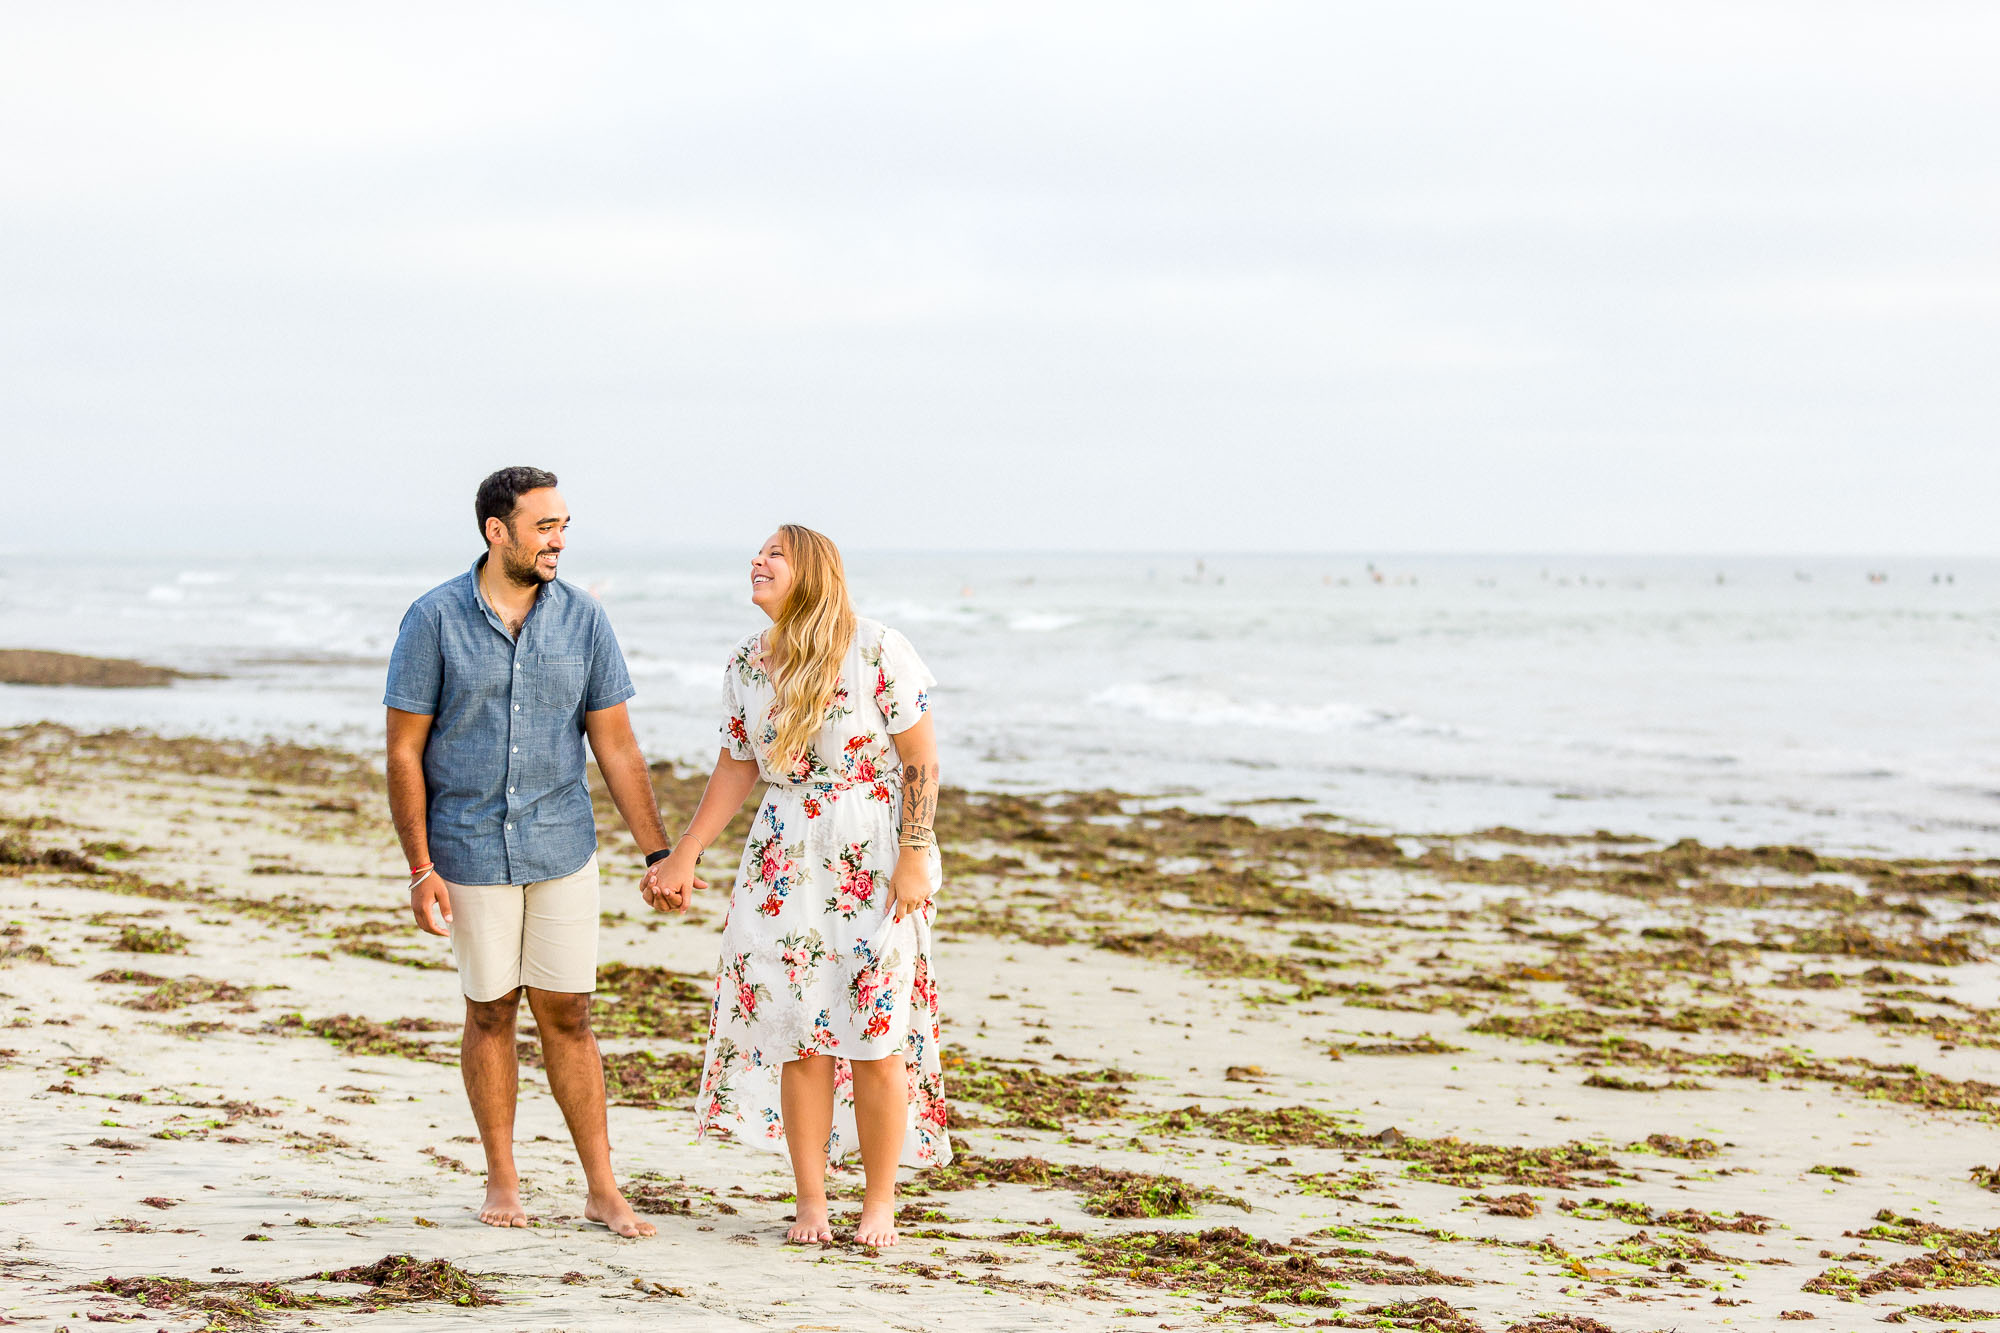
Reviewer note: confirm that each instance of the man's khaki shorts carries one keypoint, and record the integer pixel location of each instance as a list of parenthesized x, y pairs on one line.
[(542, 935)]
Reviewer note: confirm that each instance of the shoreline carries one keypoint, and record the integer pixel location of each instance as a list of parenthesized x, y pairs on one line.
[(1456, 1083)]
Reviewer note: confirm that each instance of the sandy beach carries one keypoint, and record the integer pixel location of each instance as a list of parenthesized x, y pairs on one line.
[(1204, 1068)]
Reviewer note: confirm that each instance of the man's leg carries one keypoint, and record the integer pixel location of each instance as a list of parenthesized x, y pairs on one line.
[(486, 1059), (576, 1077)]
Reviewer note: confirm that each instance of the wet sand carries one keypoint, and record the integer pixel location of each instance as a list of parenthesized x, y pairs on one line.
[(1203, 1069)]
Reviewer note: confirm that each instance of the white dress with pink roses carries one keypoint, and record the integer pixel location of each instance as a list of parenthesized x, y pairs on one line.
[(813, 961)]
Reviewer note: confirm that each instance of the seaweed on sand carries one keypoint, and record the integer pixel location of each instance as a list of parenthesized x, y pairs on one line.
[(158, 939), (1425, 1315), (365, 1036), (1034, 1098), (1680, 1219), (1425, 1044), (1445, 1161), (1286, 1126), (400, 1279), (1107, 1192), (1226, 1262), (228, 1305), (651, 1002), (644, 1078), (1931, 1235), (1918, 1273), (1672, 1253)]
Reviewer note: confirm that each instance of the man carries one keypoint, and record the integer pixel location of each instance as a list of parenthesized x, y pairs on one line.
[(497, 678)]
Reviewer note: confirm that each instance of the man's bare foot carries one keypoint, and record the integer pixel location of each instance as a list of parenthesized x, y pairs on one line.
[(877, 1226), (503, 1207), (616, 1214), (812, 1227)]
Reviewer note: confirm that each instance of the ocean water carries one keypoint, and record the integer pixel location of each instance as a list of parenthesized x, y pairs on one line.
[(1846, 704)]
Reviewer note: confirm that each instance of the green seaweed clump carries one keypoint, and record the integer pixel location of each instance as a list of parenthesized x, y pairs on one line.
[(651, 1002), (1034, 1098), (399, 1279), (643, 1078), (1108, 1192)]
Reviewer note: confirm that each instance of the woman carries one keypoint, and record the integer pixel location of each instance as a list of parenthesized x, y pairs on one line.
[(824, 1033)]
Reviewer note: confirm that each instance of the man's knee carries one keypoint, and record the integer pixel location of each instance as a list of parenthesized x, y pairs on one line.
[(562, 1015), (493, 1018)]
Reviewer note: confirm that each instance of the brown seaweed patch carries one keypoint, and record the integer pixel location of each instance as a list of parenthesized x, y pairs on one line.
[(1680, 1219), (1918, 1273), (1931, 1235), (1108, 1192), (1942, 1313), (228, 1305), (18, 854), (401, 1279), (1852, 941), (379, 952), (1212, 953), (1672, 1253), (1425, 1315), (1287, 1126), (1034, 1098), (365, 1036), (1669, 1145), (1425, 1044), (179, 992), (1444, 1161), (1977, 1029), (1226, 1262), (651, 1002), (154, 939), (644, 1078), (1618, 1084)]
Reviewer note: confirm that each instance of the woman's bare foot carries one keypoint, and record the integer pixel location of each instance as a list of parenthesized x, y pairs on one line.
[(503, 1207), (613, 1212), (877, 1226), (812, 1227)]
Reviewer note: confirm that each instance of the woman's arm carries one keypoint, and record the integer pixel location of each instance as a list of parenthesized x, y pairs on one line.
[(670, 883), (916, 748)]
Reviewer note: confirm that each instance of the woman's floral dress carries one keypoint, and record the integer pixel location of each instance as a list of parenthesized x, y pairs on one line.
[(813, 962)]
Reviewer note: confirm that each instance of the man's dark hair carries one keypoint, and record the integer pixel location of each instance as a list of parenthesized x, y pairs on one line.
[(500, 494)]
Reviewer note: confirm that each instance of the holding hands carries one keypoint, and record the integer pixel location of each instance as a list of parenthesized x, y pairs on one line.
[(670, 884)]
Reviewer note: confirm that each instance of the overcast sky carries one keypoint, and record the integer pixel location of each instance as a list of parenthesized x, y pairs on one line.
[(1292, 276)]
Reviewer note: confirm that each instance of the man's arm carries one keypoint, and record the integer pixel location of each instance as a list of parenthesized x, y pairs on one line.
[(409, 802), (624, 769)]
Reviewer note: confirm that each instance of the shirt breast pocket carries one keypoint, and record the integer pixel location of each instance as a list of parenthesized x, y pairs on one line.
[(559, 682)]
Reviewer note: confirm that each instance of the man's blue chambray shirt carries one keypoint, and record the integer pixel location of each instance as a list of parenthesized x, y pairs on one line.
[(504, 761)]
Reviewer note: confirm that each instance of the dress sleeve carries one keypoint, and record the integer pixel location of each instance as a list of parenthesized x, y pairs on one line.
[(735, 715), (902, 682)]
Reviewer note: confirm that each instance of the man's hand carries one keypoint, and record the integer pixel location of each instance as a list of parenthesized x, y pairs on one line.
[(430, 903)]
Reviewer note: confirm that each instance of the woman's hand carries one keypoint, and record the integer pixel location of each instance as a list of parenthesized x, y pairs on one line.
[(911, 881), (670, 884)]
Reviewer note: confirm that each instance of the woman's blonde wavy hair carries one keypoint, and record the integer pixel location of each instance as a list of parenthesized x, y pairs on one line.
[(809, 637)]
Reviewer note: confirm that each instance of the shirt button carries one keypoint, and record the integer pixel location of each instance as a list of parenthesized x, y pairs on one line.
[(510, 828), (517, 666), (517, 708), (510, 791), (517, 749)]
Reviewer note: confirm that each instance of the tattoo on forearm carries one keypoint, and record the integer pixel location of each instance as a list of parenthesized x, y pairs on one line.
[(919, 795)]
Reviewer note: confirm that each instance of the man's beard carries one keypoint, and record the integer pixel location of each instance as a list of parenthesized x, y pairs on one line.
[(525, 573)]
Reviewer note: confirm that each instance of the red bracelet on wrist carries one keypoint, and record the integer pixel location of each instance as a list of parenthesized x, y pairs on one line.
[(418, 870)]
